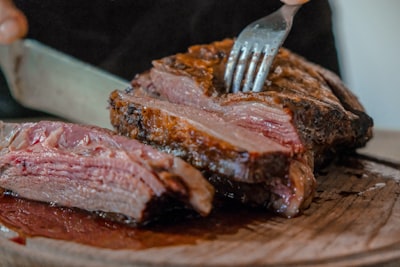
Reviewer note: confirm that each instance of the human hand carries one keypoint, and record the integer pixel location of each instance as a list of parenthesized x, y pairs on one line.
[(13, 23), (294, 2)]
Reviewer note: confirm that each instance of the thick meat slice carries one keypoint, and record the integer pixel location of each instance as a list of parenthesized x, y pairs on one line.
[(319, 109), (180, 105), (241, 163), (96, 170)]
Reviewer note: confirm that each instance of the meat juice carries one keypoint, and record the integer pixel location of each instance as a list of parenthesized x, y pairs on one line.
[(32, 219)]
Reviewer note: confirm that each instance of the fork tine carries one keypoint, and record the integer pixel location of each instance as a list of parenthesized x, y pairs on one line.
[(244, 59), (230, 66), (256, 51), (240, 68), (264, 68)]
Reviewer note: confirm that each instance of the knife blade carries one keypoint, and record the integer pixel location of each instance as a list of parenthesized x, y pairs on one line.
[(42, 78)]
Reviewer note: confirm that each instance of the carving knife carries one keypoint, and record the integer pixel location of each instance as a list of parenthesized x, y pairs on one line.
[(42, 78)]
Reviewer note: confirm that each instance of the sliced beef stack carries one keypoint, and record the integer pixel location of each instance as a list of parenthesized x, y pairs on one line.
[(96, 170), (258, 148)]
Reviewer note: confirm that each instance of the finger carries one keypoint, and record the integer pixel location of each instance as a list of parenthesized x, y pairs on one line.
[(294, 2), (13, 23)]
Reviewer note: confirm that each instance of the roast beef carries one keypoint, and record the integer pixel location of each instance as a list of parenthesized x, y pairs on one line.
[(95, 169), (258, 148)]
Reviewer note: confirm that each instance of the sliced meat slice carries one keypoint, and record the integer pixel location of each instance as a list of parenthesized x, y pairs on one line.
[(203, 137), (96, 170), (238, 161)]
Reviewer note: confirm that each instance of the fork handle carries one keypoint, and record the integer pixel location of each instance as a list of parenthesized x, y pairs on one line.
[(294, 2)]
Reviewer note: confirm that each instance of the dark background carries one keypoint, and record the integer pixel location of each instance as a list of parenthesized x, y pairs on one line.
[(123, 36)]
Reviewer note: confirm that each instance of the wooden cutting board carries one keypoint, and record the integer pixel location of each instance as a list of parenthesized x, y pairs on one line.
[(354, 220)]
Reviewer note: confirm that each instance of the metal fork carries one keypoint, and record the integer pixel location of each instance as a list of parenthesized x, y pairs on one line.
[(255, 48)]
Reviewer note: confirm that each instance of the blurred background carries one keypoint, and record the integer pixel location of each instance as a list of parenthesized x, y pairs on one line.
[(367, 34), (367, 38)]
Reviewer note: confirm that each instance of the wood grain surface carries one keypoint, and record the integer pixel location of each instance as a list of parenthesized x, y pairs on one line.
[(354, 220)]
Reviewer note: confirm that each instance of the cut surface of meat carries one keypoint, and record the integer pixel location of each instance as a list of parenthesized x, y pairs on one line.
[(258, 148), (95, 169)]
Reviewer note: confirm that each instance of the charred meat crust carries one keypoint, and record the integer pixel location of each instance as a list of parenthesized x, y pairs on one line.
[(172, 132), (291, 76)]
